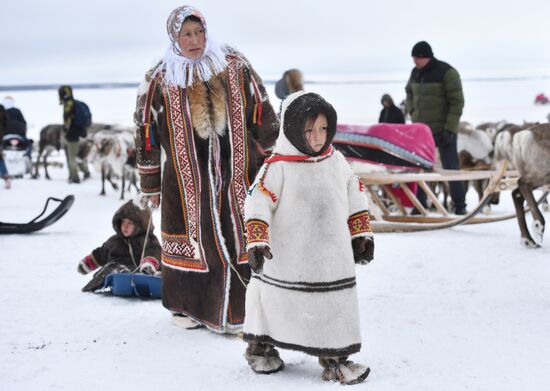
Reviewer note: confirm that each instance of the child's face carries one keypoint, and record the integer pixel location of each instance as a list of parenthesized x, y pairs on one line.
[(315, 131), (127, 228)]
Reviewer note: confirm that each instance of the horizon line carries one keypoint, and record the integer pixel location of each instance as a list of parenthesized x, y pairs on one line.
[(119, 85)]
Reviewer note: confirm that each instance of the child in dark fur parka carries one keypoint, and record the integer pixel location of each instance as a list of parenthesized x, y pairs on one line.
[(125, 248)]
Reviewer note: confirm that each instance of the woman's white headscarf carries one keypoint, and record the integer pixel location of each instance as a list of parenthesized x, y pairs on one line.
[(180, 70)]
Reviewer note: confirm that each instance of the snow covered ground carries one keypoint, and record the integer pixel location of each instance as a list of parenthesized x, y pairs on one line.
[(460, 309)]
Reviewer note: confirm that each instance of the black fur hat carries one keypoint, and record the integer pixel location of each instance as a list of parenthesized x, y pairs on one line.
[(140, 217), (65, 93), (422, 49), (307, 105)]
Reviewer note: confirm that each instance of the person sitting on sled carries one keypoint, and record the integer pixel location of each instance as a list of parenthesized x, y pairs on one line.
[(124, 251), (307, 214)]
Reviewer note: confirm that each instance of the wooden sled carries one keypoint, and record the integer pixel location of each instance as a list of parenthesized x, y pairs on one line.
[(384, 220)]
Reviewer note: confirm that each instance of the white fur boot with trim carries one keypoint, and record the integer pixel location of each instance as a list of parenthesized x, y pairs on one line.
[(185, 322), (263, 358), (342, 370)]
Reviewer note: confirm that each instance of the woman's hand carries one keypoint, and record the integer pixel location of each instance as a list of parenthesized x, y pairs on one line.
[(155, 200)]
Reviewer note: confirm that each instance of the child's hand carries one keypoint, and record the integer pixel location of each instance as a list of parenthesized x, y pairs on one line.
[(256, 258), (86, 265), (149, 265), (363, 250)]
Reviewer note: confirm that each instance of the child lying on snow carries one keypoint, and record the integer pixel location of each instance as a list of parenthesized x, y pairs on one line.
[(123, 251), (307, 214)]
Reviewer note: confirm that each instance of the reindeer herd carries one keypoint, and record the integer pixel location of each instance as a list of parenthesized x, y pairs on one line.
[(527, 149), (110, 148), (526, 146)]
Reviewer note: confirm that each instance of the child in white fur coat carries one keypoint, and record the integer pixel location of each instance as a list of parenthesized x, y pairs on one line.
[(307, 215)]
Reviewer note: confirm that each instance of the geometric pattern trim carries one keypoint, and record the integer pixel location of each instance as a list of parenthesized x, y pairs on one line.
[(257, 231), (178, 252), (359, 223), (239, 153)]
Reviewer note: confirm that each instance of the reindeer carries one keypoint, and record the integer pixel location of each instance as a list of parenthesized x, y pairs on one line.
[(114, 152), (129, 173), (531, 157), (52, 138), (475, 151)]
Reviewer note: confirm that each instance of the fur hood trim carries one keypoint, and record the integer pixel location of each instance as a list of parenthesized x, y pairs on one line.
[(139, 216)]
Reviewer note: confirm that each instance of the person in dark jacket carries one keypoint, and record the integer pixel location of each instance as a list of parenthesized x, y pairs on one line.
[(125, 248), (434, 97), (15, 122), (73, 134), (390, 114)]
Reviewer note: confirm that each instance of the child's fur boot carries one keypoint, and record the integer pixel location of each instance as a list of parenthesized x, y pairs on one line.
[(342, 370), (263, 358)]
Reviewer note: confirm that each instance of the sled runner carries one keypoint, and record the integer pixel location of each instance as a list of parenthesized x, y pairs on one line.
[(400, 221), (39, 223)]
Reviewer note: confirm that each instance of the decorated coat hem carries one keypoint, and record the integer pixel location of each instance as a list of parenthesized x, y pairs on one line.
[(229, 328), (313, 351)]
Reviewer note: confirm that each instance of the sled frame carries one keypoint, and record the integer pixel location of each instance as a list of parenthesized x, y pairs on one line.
[(399, 221)]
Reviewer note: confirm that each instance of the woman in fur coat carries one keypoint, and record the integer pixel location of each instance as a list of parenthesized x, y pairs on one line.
[(307, 214), (125, 248), (207, 109)]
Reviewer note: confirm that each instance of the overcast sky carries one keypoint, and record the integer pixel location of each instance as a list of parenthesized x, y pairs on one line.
[(117, 40)]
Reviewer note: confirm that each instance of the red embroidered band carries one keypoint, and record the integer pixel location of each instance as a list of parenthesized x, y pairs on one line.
[(257, 231), (359, 223), (297, 158)]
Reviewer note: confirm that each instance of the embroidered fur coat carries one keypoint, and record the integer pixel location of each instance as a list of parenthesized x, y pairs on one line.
[(307, 209), (214, 134)]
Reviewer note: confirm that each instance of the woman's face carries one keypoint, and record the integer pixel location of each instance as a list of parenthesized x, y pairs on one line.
[(192, 39), (315, 131)]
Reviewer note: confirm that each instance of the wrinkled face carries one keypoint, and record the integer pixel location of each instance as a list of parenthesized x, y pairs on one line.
[(315, 132), (420, 62), (127, 228), (192, 39)]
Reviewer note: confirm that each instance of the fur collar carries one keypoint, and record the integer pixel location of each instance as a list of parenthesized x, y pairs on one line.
[(208, 107)]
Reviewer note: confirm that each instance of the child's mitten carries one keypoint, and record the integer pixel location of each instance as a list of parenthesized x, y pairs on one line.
[(149, 265), (86, 265), (256, 257), (363, 249)]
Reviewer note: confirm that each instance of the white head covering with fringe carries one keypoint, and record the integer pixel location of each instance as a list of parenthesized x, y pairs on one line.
[(180, 70)]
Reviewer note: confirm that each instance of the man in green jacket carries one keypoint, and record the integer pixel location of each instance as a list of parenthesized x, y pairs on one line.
[(434, 97)]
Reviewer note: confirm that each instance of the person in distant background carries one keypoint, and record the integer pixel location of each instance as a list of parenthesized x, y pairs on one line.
[(15, 122), (434, 97), (291, 82), (75, 123), (390, 114)]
